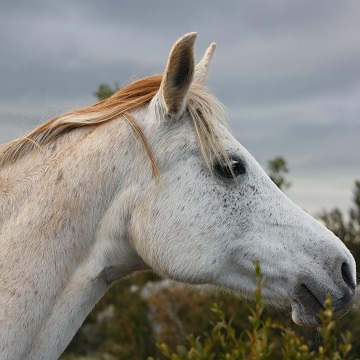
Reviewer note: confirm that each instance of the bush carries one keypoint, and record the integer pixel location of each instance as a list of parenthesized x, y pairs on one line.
[(260, 342), (230, 330), (118, 327)]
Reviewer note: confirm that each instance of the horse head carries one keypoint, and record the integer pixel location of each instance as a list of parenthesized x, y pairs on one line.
[(216, 211)]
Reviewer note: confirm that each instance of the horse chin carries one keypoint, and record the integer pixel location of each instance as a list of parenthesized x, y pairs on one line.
[(306, 306), (306, 309), (304, 317)]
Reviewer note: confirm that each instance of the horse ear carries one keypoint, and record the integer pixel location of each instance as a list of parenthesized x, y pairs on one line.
[(202, 68), (178, 75)]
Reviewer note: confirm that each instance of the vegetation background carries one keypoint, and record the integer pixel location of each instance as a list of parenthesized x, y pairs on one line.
[(146, 317)]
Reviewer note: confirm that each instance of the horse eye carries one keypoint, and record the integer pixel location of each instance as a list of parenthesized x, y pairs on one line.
[(232, 170)]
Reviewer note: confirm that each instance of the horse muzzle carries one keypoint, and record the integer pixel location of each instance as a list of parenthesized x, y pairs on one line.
[(310, 293)]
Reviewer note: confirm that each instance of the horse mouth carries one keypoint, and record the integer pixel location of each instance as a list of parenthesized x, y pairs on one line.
[(310, 298), (307, 304)]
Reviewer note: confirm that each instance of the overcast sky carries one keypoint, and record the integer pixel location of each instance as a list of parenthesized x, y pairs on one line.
[(288, 72)]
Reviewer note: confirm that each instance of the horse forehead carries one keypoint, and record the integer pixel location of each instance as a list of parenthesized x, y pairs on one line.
[(230, 143), (161, 132)]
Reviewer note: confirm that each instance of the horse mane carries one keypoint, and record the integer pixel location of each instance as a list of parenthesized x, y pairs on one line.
[(205, 110)]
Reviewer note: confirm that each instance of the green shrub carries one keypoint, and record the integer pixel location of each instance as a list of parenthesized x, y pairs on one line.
[(124, 334), (260, 342), (230, 330)]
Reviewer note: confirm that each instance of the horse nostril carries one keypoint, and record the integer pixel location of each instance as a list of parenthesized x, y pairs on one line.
[(347, 276)]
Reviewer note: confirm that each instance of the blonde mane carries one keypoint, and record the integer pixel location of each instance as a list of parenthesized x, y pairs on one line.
[(205, 110)]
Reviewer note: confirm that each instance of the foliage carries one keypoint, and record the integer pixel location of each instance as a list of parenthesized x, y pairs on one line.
[(347, 230), (104, 91), (277, 170), (250, 332), (119, 326), (258, 343)]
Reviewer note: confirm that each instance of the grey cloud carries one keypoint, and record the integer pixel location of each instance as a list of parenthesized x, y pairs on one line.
[(287, 71)]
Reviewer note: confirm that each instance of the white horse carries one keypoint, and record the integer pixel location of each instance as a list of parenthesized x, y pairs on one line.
[(148, 179)]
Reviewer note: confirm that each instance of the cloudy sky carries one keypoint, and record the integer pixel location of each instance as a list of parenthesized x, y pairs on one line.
[(288, 72)]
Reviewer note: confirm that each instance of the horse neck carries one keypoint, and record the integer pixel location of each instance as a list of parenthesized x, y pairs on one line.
[(55, 238)]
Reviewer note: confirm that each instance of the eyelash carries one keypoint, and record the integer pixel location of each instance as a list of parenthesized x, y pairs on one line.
[(232, 170)]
